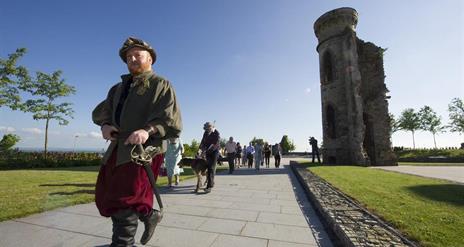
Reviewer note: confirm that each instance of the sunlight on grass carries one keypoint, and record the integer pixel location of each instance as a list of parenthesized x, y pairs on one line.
[(25, 192), (430, 211)]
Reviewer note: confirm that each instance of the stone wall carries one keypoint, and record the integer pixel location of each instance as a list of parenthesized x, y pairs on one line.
[(377, 143)]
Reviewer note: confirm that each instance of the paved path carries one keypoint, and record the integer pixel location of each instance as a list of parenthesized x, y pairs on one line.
[(452, 173), (267, 209)]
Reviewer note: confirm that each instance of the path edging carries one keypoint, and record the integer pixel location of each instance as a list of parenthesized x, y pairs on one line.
[(349, 222)]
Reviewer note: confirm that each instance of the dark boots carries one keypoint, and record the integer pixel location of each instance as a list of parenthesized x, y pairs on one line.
[(150, 221), (124, 228)]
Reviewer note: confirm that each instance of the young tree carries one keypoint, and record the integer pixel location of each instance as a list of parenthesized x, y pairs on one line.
[(410, 121), (11, 76), (47, 89), (456, 115), (222, 142), (430, 121), (192, 149), (8, 141), (257, 141), (286, 144)]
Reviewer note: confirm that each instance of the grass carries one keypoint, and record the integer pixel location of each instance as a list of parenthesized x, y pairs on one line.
[(30, 191), (428, 164), (429, 211)]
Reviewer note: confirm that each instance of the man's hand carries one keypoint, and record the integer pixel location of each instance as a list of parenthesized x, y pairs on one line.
[(107, 130), (137, 137)]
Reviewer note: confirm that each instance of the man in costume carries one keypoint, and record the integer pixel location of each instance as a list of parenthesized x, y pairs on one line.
[(141, 109), (210, 148)]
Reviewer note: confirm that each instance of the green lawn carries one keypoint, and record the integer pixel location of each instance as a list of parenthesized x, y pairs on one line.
[(31, 191), (429, 211), (428, 164)]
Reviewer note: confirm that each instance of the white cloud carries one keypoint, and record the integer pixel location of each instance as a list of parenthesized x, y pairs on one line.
[(35, 131), (92, 134), (96, 135), (7, 129)]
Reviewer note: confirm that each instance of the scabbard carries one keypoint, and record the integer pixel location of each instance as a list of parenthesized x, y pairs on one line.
[(146, 166), (151, 178)]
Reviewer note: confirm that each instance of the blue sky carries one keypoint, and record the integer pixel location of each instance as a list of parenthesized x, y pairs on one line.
[(250, 65)]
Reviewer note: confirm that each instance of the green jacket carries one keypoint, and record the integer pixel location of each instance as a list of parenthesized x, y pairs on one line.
[(151, 101)]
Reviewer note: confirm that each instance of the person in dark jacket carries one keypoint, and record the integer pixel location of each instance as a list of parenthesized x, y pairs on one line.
[(315, 149), (277, 152), (267, 154), (209, 146)]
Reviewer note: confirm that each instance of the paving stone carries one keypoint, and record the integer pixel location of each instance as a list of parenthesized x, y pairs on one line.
[(284, 202), (290, 197), (174, 197), (233, 193), (238, 241), (265, 195), (254, 191), (96, 242), (274, 243), (278, 232), (182, 221), (234, 214), (67, 221), (168, 236), (252, 200), (290, 210), (282, 219), (256, 207), (233, 227), (201, 202), (50, 237), (89, 209), (188, 210), (12, 232)]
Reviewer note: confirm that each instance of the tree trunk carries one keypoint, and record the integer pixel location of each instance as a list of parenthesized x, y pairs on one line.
[(413, 141), (434, 142), (46, 137)]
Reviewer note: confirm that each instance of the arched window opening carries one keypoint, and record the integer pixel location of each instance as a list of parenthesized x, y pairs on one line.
[(328, 71), (330, 116)]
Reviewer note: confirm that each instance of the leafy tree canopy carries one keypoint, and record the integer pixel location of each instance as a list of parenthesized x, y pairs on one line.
[(12, 77), (456, 115), (286, 144), (8, 141)]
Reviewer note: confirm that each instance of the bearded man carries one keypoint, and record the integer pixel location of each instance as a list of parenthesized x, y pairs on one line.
[(141, 109)]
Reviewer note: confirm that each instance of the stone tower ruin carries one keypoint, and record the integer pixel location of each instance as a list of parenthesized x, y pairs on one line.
[(355, 120)]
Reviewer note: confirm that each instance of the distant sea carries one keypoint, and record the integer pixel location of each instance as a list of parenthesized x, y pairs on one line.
[(56, 149)]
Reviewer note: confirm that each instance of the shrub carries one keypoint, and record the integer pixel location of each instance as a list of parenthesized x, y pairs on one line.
[(15, 159)]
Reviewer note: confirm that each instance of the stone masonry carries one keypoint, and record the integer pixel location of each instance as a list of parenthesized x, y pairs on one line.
[(356, 127), (351, 224)]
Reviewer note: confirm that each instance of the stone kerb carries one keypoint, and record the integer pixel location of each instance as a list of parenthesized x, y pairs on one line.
[(348, 222)]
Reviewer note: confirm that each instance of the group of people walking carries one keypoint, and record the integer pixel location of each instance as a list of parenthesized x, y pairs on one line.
[(255, 153)]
